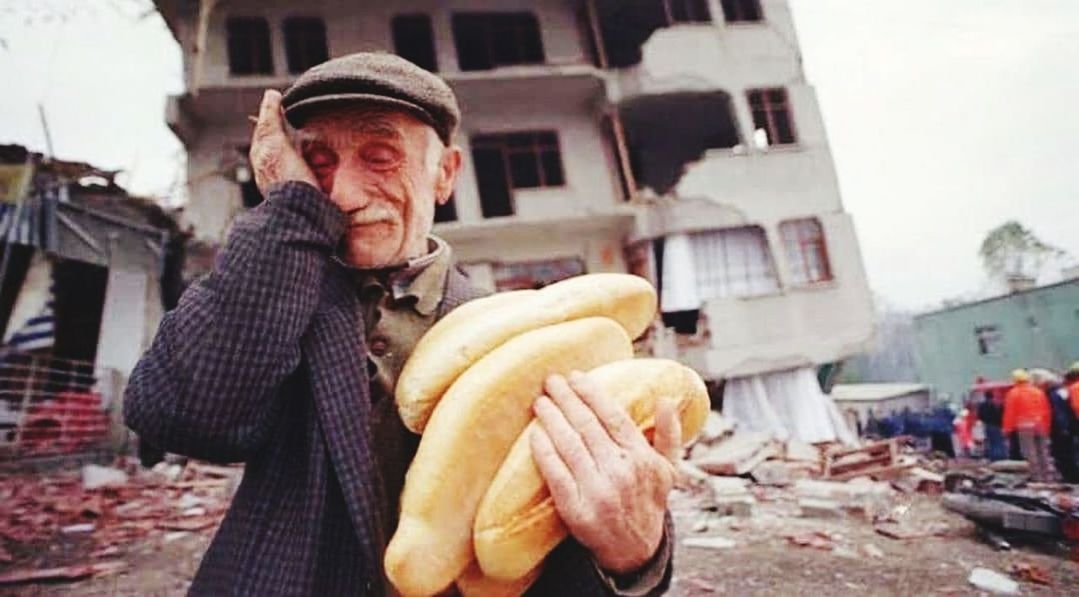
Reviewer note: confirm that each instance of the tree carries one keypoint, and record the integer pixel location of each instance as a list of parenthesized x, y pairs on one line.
[(1012, 251)]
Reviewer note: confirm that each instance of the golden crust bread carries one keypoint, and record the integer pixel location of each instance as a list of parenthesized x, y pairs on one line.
[(517, 524), (476, 328), (469, 433)]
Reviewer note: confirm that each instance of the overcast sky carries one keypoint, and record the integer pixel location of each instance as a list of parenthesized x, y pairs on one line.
[(946, 118)]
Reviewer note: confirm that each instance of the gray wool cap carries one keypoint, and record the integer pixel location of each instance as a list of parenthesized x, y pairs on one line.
[(374, 77)]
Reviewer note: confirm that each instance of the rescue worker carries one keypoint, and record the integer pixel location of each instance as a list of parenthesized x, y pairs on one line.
[(1027, 414), (1071, 380)]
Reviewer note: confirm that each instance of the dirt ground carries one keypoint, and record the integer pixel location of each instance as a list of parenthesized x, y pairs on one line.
[(765, 562), (854, 559)]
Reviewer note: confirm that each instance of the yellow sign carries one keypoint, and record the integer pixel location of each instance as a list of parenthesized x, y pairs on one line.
[(15, 181)]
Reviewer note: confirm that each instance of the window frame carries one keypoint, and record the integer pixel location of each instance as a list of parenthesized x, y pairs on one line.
[(415, 16), (737, 10), (691, 8), (799, 243), (770, 108), (259, 25), (537, 147), (988, 339), (490, 22), (297, 32)]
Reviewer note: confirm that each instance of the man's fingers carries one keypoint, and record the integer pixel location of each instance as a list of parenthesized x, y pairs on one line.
[(618, 424), (567, 442), (668, 437), (270, 115), (556, 474), (582, 418)]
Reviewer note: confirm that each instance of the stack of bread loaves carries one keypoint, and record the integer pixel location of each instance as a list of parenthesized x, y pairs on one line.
[(475, 509)]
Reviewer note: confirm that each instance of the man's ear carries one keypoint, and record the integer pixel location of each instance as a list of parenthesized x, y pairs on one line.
[(448, 168)]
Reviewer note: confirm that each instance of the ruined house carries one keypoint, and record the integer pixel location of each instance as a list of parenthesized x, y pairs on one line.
[(86, 272), (676, 139)]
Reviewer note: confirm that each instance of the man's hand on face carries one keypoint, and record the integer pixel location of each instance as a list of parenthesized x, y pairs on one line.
[(273, 158), (608, 484)]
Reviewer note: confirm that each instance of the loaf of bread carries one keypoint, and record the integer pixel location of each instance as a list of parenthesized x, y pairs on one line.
[(475, 329), (469, 433), (517, 524)]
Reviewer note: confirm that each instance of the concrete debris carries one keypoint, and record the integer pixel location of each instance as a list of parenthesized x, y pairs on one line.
[(15, 577), (108, 508), (993, 582), (709, 542), (898, 530), (796, 451), (872, 551), (1020, 467), (1033, 573), (818, 508), (97, 477), (774, 473), (715, 428), (814, 539), (736, 456)]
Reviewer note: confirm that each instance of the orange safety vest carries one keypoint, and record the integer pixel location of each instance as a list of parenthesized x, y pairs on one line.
[(1026, 405)]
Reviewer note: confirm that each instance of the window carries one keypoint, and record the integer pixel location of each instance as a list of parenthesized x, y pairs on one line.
[(687, 11), (490, 40), (807, 253), (733, 262), (771, 114), (534, 274), (305, 43), (742, 11), (249, 46), (446, 212), (514, 161), (989, 339), (414, 40)]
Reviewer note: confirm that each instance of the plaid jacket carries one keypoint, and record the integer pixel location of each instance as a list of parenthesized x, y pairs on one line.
[(262, 362)]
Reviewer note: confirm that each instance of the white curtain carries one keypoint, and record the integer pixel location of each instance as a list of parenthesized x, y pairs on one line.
[(679, 292), (786, 404)]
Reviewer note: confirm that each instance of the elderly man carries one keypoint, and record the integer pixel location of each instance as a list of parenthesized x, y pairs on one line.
[(285, 358)]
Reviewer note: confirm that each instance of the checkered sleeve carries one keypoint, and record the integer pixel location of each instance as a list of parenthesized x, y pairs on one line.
[(208, 385)]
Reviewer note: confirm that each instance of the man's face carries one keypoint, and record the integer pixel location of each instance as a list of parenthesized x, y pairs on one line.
[(386, 170)]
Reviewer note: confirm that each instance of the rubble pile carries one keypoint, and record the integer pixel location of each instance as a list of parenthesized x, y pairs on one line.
[(110, 507), (746, 480)]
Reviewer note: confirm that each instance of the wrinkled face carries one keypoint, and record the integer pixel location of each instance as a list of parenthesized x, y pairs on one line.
[(386, 170)]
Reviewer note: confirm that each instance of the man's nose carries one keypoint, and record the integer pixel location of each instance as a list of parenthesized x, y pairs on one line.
[(349, 191)]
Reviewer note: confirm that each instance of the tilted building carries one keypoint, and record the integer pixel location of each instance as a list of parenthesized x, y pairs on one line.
[(677, 139)]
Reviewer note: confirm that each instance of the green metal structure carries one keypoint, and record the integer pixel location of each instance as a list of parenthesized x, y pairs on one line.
[(1031, 328)]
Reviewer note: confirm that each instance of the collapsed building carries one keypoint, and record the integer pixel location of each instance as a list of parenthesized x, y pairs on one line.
[(675, 139), (86, 272)]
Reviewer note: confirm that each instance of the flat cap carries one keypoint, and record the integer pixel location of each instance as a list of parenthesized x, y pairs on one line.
[(374, 77)]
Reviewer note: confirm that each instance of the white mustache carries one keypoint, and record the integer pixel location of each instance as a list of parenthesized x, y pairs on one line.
[(368, 216)]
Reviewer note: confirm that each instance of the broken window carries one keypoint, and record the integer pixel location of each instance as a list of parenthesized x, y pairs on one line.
[(517, 160), (446, 212), (989, 339), (772, 115), (305, 43), (687, 11), (534, 274), (666, 132), (414, 40), (807, 253), (249, 46), (489, 40), (742, 11)]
